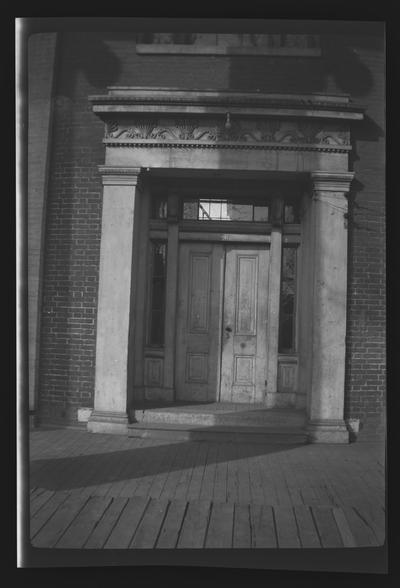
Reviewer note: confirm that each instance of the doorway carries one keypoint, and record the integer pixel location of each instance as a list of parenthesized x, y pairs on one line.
[(221, 337)]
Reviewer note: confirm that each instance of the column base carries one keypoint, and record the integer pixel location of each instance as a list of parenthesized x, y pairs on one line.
[(115, 423), (327, 431)]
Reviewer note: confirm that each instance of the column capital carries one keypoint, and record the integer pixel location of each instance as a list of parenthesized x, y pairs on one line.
[(331, 181), (117, 175)]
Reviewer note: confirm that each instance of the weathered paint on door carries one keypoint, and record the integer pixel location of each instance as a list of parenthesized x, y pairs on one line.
[(200, 293), (221, 322), (244, 340)]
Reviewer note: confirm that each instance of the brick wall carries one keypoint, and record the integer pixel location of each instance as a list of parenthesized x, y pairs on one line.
[(41, 55), (366, 338), (89, 63)]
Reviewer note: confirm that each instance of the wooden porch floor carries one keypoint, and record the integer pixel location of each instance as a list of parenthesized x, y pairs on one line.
[(95, 491)]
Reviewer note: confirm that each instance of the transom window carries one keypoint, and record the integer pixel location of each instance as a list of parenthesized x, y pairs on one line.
[(225, 210), (257, 209)]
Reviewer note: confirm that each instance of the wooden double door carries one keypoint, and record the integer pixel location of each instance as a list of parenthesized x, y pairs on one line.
[(221, 339)]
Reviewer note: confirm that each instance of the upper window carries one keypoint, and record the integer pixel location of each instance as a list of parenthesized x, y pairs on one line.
[(229, 44)]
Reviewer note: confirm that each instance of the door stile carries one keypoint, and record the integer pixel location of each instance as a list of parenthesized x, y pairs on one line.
[(170, 309), (221, 320), (273, 304)]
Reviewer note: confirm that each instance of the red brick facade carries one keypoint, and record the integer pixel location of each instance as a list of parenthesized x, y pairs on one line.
[(87, 64)]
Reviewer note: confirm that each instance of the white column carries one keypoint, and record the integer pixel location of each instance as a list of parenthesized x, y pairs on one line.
[(329, 293), (114, 312)]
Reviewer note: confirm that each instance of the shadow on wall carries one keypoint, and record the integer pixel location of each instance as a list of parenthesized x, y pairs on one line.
[(90, 55), (339, 59)]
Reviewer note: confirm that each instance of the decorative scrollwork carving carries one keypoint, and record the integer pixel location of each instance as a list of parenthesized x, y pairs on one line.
[(246, 132)]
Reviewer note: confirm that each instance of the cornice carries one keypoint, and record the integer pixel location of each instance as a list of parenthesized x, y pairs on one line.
[(125, 100)]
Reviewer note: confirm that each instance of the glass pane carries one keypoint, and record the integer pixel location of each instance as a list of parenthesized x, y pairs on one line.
[(158, 284), (261, 213), (240, 212), (158, 297), (159, 260), (286, 334), (204, 210), (190, 210), (157, 328), (291, 211), (215, 209), (159, 209), (287, 300)]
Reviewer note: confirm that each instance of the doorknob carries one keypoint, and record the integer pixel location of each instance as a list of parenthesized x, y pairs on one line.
[(228, 329)]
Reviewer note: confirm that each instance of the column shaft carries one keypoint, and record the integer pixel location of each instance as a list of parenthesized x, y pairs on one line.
[(114, 304), (329, 293)]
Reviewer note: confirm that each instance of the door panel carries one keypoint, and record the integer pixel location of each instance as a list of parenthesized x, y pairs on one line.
[(222, 322), (244, 341), (201, 267)]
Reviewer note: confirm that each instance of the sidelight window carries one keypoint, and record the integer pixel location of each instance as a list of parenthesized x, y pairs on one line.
[(157, 292), (288, 300)]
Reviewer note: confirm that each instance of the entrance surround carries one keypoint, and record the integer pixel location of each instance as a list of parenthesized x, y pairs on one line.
[(151, 131)]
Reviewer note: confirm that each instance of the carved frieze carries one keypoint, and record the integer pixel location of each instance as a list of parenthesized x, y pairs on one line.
[(243, 133)]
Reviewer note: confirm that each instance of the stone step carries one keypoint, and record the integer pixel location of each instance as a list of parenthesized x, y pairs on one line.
[(226, 416), (219, 433)]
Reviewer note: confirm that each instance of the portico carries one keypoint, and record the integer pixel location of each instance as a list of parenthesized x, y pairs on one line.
[(190, 307)]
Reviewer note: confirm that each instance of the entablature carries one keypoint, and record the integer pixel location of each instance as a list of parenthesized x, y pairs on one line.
[(179, 121)]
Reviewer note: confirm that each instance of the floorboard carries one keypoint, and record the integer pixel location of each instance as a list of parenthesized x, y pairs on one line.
[(362, 533), (146, 480), (39, 500), (194, 488), (183, 484), (327, 528), (306, 527), (262, 526), (131, 466), (220, 528), (195, 524), (286, 527), (270, 496), (176, 471), (219, 490), (343, 527), (207, 483), (171, 526), (45, 512), (232, 475), (58, 523), (79, 530), (167, 464), (122, 533), (105, 525), (244, 493), (149, 527), (137, 469), (241, 527), (375, 518)]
